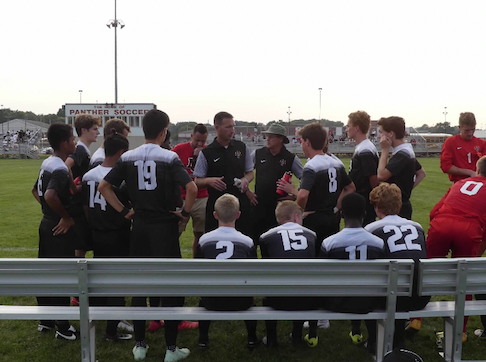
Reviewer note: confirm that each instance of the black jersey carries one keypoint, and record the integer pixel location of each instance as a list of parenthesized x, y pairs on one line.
[(81, 158), (98, 158), (404, 239), (101, 215), (403, 165), (324, 177), (151, 174), (53, 174), (226, 243), (364, 164), (352, 244), (288, 241)]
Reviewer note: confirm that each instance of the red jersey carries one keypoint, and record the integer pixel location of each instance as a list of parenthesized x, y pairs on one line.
[(466, 199), (186, 154), (461, 153)]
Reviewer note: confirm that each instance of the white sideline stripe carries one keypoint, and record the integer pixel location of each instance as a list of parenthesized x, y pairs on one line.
[(36, 249)]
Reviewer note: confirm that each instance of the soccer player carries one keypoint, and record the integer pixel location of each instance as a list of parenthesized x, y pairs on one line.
[(225, 166), (461, 152), (458, 220), (353, 243), (120, 127), (87, 128), (226, 243), (271, 163), (111, 231), (404, 239), (290, 240), (402, 169), (188, 153), (56, 233), (151, 174), (324, 183), (364, 163)]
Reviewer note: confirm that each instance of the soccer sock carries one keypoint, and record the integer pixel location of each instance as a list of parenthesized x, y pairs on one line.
[(356, 326), (142, 344), (297, 330), (312, 329), (171, 348), (204, 331), (251, 327), (171, 332), (271, 327)]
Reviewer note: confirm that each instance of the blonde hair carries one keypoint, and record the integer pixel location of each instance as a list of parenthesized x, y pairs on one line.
[(387, 198), (285, 210), (481, 166), (361, 119), (227, 208)]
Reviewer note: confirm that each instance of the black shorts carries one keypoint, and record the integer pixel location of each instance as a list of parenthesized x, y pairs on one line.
[(84, 235), (323, 225), (59, 246), (155, 240), (263, 219), (111, 244), (226, 303), (406, 210)]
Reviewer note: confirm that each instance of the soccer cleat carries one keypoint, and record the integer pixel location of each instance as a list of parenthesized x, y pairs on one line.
[(154, 326), (70, 335), (414, 325), (177, 355), (140, 352), (45, 326), (311, 342), (356, 338), (75, 302), (480, 334), (187, 325), (125, 326), (439, 341), (117, 337)]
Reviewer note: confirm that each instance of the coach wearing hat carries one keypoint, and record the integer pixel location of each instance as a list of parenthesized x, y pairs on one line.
[(271, 163)]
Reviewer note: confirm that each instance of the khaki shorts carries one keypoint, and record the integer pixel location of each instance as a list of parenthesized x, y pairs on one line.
[(198, 215)]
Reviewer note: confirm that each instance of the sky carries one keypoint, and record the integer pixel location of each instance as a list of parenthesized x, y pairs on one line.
[(252, 58)]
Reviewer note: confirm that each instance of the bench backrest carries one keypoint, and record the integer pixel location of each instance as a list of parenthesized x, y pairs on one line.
[(444, 276), (196, 277)]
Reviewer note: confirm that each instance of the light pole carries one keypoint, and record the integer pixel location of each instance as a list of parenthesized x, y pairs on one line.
[(445, 114), (320, 90), (114, 23), (289, 113), (80, 93)]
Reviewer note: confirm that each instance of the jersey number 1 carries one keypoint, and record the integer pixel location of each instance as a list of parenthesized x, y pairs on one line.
[(95, 196)]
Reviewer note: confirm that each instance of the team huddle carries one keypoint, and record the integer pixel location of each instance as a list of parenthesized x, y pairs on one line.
[(136, 203)]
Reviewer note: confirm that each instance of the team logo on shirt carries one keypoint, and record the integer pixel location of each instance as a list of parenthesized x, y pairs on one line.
[(283, 162), (238, 154), (478, 151)]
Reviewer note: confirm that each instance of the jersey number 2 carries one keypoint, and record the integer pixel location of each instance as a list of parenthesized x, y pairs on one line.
[(398, 235), (230, 249)]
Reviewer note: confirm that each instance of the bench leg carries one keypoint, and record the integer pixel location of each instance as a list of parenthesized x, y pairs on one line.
[(88, 341), (92, 340), (384, 338)]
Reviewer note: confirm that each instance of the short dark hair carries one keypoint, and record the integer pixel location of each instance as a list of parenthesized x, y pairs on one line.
[(353, 206), (218, 118), (58, 133), (395, 124), (85, 121), (316, 134), (200, 128), (114, 143), (117, 124), (154, 122)]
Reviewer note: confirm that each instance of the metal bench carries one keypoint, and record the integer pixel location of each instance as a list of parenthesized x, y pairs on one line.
[(195, 277)]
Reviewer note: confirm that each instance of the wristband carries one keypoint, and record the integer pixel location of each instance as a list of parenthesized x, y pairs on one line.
[(125, 211), (184, 213)]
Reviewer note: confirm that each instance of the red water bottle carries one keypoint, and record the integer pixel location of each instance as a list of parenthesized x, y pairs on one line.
[(287, 176)]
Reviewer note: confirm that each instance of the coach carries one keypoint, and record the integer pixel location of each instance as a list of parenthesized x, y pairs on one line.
[(271, 163), (219, 165)]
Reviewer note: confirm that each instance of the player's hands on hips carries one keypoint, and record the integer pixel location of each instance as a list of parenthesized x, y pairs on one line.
[(307, 213), (130, 214), (217, 183), (182, 219), (244, 185), (252, 197), (63, 226), (385, 142)]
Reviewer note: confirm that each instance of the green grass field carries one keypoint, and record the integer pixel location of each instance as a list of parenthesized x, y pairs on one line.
[(19, 219)]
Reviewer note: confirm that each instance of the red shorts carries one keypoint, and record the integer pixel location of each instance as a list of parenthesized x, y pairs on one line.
[(462, 237)]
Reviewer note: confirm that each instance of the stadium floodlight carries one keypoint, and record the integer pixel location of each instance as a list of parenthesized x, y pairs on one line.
[(115, 23)]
